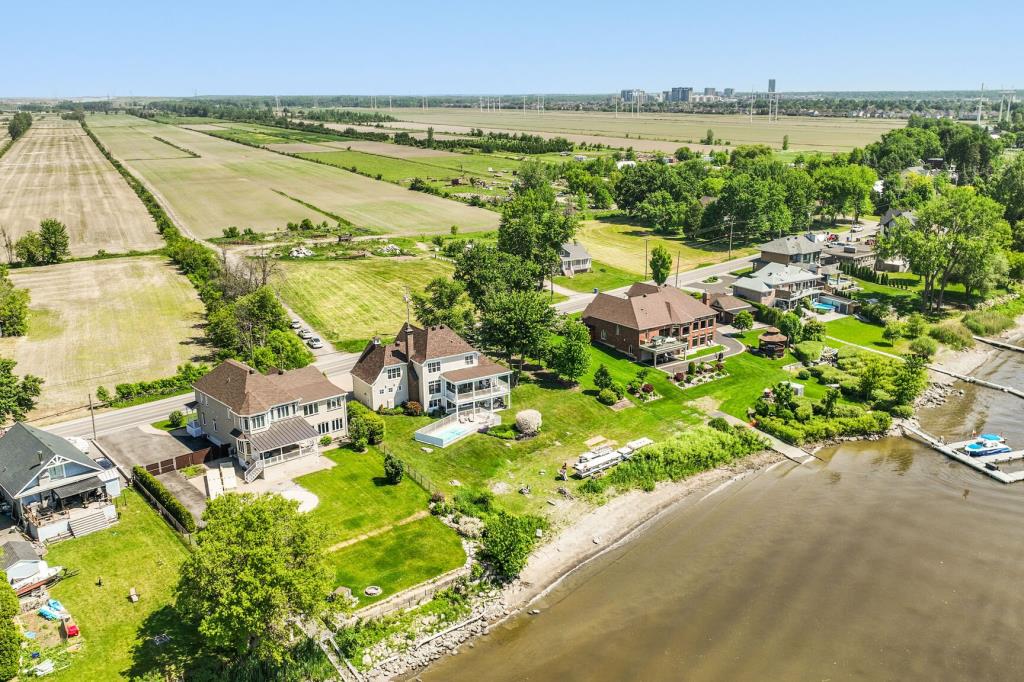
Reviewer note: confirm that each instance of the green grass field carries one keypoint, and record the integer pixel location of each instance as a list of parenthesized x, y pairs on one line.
[(140, 551), (351, 301), (234, 185), (571, 417), (355, 498), (621, 245), (852, 330), (602, 277)]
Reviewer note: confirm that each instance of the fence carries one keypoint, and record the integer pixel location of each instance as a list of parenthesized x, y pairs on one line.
[(416, 475), (181, 461), (186, 537)]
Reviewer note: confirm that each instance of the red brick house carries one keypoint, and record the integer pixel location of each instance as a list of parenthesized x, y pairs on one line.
[(650, 323)]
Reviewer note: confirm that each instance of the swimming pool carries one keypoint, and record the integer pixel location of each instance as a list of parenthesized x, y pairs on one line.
[(824, 307), (445, 435)]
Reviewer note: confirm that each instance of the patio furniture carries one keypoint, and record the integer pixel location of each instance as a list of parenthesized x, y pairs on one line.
[(133, 595)]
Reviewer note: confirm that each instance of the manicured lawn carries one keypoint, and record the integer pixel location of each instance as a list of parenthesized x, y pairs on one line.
[(355, 497), (351, 301), (402, 557), (140, 551), (571, 417), (852, 330), (602, 277), (749, 375)]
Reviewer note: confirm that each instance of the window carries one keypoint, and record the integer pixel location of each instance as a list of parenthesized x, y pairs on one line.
[(604, 335), (282, 411), (434, 403), (323, 428), (337, 424), (470, 359), (56, 471), (394, 372), (215, 425), (433, 366), (381, 391), (434, 387), (333, 403), (310, 409), (204, 419)]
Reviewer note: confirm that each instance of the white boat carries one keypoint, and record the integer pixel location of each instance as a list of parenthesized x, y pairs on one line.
[(38, 579), (986, 444), (594, 464)]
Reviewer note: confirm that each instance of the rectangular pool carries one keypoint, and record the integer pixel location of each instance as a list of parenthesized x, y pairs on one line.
[(444, 436)]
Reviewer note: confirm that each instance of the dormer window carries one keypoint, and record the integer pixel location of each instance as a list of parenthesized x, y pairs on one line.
[(249, 423), (433, 366), (394, 372), (55, 472), (470, 359)]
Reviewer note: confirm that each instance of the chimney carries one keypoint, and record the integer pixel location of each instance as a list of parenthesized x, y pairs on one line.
[(704, 297), (408, 341), (39, 456), (376, 340), (252, 371)]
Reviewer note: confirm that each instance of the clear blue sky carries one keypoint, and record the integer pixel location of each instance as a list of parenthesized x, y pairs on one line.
[(145, 47)]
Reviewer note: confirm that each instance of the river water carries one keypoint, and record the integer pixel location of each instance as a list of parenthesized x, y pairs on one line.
[(884, 561)]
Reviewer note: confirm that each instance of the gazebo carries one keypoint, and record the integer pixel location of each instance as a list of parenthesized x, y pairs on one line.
[(772, 343)]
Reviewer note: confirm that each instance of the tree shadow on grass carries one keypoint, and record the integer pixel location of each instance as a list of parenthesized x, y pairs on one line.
[(164, 645)]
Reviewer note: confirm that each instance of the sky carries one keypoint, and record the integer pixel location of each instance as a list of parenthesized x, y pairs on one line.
[(67, 49)]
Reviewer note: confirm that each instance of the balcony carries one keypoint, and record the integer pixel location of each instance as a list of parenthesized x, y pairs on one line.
[(465, 392), (787, 295)]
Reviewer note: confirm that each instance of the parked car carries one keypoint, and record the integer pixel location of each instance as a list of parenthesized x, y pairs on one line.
[(315, 343), (305, 334), (857, 228), (296, 323)]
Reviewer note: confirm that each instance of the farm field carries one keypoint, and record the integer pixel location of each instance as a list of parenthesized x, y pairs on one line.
[(231, 184), (403, 170), (55, 171), (621, 245), (351, 301), (805, 133), (104, 322)]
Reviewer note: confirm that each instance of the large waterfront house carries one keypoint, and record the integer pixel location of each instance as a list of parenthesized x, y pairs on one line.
[(53, 489), (798, 250), (650, 322), (266, 419), (781, 286), (574, 258), (434, 367)]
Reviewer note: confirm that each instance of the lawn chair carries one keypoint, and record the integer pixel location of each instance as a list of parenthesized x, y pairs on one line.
[(133, 595)]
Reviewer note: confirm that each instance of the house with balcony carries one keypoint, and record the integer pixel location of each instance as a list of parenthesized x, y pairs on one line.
[(798, 250), (574, 258), (266, 419), (780, 286), (433, 366), (51, 488), (650, 323)]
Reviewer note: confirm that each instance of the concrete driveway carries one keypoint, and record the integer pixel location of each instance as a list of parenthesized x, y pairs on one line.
[(142, 445)]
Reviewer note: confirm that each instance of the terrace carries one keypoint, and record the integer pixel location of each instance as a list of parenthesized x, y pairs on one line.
[(464, 390)]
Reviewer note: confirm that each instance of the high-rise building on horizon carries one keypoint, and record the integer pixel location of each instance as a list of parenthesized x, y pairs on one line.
[(633, 95), (729, 92), (771, 85), (680, 94), (709, 92)]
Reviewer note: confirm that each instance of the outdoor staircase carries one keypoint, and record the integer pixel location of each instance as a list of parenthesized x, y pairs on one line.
[(89, 524), (253, 472)]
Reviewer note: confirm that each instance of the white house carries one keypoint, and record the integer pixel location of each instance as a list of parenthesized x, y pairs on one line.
[(54, 490), (433, 366), (575, 258)]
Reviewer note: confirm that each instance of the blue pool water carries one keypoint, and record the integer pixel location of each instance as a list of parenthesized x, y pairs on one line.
[(446, 435)]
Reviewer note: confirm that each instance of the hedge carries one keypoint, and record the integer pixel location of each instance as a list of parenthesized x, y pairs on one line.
[(10, 638), (374, 423), (808, 351), (823, 428), (181, 382), (165, 498)]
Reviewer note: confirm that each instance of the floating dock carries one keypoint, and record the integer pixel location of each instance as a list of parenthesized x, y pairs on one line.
[(977, 463)]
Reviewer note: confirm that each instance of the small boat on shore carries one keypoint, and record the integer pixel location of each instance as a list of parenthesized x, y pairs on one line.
[(986, 444)]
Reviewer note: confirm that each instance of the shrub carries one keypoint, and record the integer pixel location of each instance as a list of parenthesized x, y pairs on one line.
[(618, 389), (528, 422), (953, 333), (808, 351), (915, 326), (691, 368), (502, 431), (679, 376), (394, 469), (925, 346), (325, 441), (176, 419), (647, 388), (803, 374), (364, 426), (720, 424), (986, 322), (902, 411), (607, 397), (413, 409), (508, 541), (103, 395), (602, 377), (165, 498)]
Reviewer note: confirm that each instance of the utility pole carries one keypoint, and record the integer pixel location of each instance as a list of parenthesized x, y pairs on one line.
[(645, 259), (92, 416), (730, 238), (679, 257)]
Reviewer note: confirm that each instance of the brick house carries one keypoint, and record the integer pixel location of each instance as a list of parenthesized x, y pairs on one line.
[(650, 323)]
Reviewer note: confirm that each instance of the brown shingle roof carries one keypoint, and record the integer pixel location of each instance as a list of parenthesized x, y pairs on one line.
[(425, 344), (647, 306), (728, 302), (486, 368), (246, 391)]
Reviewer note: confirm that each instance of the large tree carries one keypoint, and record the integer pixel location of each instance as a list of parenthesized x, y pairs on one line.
[(1008, 189), (517, 322), (661, 264), (444, 301), (483, 268), (17, 396), (571, 356), (257, 568), (53, 235), (534, 227), (13, 307), (956, 227)]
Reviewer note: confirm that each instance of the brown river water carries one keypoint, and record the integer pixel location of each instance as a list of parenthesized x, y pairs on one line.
[(884, 561)]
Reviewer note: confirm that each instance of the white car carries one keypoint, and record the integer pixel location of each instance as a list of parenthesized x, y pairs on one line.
[(315, 343), (296, 323), (305, 334), (857, 228)]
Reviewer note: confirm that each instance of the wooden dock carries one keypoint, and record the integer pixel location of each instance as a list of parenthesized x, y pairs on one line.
[(952, 450)]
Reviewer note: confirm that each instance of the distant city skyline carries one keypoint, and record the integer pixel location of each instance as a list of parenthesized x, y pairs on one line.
[(69, 49)]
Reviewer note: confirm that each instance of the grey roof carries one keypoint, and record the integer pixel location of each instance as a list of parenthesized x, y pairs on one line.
[(72, 489), (773, 275), (282, 433), (793, 245), (17, 550), (20, 458), (575, 251)]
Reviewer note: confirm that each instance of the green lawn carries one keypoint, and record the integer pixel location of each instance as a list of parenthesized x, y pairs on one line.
[(749, 375), (350, 301), (355, 497), (602, 277), (140, 551), (571, 417), (402, 557), (852, 330)]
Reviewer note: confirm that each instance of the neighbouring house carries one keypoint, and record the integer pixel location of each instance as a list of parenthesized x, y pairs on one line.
[(574, 258), (20, 560), (857, 254), (52, 488), (781, 286), (650, 322), (798, 250), (266, 419), (433, 366), (726, 306), (889, 218)]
